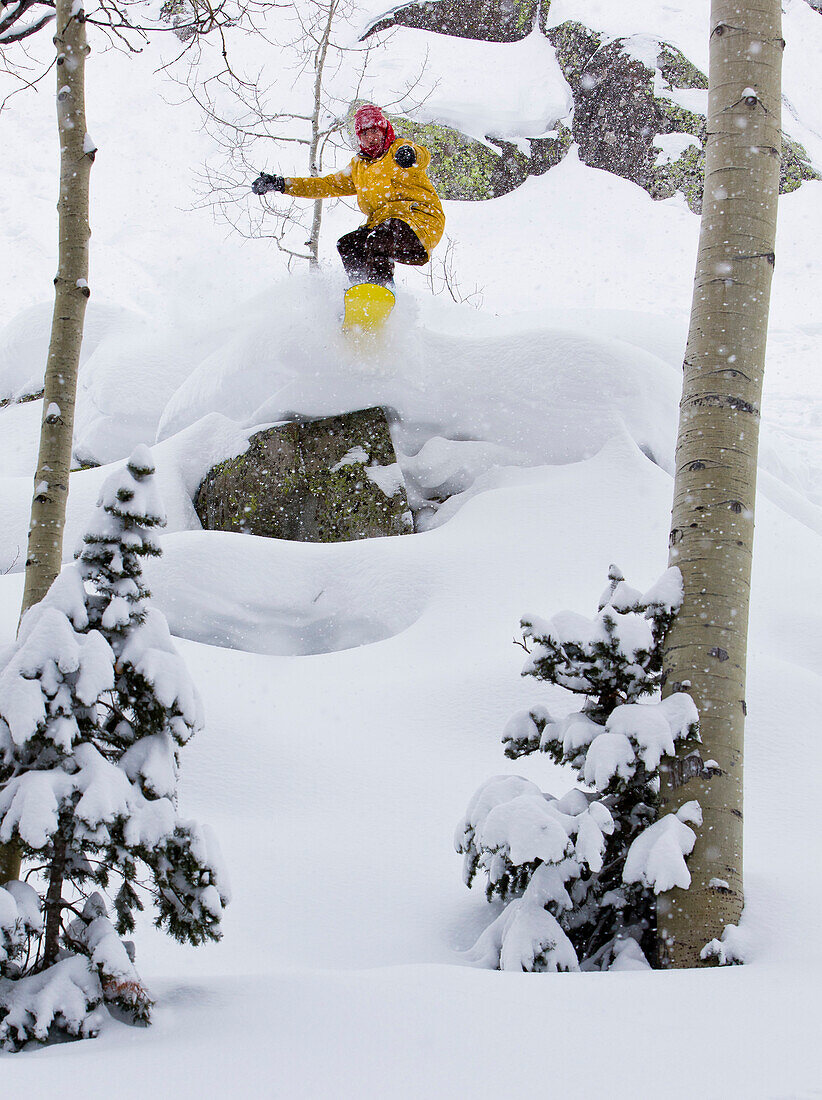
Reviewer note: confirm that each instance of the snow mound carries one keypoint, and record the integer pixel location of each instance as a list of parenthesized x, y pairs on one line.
[(24, 343), (522, 92), (551, 395), (124, 386), (276, 597)]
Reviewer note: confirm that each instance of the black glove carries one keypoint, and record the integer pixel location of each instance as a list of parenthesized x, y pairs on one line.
[(405, 156), (264, 183)]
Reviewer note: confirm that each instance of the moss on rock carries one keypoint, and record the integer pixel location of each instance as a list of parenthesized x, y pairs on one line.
[(483, 20), (328, 480), (795, 166), (259, 492), (677, 70), (355, 489), (463, 168), (575, 45), (685, 174)]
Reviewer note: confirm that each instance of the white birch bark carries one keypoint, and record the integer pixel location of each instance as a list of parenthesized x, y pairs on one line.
[(51, 482), (314, 152), (71, 294), (712, 526)]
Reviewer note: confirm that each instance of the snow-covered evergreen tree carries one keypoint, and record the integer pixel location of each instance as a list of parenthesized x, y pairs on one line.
[(579, 873), (95, 703)]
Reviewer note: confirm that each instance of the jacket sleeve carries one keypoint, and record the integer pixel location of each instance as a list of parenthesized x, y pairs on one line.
[(322, 187)]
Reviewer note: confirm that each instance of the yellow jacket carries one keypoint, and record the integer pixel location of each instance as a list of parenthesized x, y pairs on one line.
[(383, 190)]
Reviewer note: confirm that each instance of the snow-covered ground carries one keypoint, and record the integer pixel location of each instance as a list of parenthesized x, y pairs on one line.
[(356, 693)]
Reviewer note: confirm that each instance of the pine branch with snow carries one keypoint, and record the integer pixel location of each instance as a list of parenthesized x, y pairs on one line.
[(120, 535), (95, 704), (592, 860)]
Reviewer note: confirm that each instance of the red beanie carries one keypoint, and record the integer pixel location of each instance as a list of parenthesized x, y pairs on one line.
[(369, 116)]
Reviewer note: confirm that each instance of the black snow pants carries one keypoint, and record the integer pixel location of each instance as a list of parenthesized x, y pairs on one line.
[(368, 255)]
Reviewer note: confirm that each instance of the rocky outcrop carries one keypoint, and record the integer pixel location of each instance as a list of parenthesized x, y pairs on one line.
[(462, 168), (626, 104), (619, 113), (485, 20), (327, 480), (635, 112)]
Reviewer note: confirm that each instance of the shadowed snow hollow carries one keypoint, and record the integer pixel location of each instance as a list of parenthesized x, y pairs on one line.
[(277, 597)]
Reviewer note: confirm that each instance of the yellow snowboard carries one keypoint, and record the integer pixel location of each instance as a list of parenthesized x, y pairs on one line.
[(367, 308)]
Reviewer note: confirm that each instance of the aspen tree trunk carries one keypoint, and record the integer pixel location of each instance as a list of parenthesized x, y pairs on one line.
[(48, 510), (314, 155), (713, 510)]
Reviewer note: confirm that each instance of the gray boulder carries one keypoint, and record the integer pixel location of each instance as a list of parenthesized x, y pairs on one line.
[(485, 20), (327, 480), (618, 114)]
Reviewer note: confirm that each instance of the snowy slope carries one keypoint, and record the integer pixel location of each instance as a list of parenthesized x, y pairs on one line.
[(340, 965), (355, 694)]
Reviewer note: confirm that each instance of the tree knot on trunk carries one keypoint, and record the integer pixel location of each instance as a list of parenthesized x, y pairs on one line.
[(769, 256), (727, 401), (682, 771)]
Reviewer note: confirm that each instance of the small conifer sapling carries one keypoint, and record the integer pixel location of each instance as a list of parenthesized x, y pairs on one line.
[(579, 873), (95, 705)]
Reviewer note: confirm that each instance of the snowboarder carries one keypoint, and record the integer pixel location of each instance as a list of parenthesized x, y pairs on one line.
[(405, 219)]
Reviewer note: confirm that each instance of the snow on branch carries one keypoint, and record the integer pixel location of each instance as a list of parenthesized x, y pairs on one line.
[(95, 705), (733, 947), (657, 856), (578, 874)]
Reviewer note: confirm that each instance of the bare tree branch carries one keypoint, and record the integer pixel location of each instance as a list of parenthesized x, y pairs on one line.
[(11, 32), (442, 278), (242, 117)]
